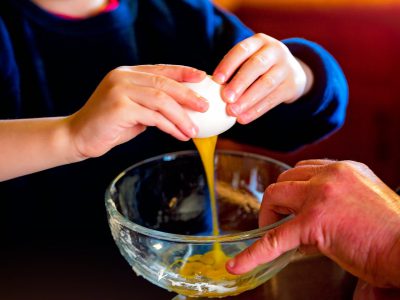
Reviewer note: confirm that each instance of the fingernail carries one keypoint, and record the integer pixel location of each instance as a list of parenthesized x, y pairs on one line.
[(245, 118), (231, 263), (193, 132), (230, 95), (219, 77), (204, 104), (235, 109)]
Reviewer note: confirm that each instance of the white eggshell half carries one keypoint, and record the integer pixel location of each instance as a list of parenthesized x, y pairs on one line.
[(215, 120)]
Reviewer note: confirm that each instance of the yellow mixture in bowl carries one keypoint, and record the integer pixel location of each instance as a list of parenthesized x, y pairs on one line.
[(210, 264)]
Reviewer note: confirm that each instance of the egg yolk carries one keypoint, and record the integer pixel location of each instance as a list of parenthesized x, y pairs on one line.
[(210, 264)]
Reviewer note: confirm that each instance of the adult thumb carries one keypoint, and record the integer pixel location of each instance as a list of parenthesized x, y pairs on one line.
[(273, 244)]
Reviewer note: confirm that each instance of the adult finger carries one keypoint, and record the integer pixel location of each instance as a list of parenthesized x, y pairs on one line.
[(273, 244), (299, 173), (289, 195), (321, 162), (270, 214)]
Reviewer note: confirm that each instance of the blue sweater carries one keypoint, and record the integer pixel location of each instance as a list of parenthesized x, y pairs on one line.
[(50, 66)]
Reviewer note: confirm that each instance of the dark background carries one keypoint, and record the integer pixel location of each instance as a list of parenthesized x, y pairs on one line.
[(366, 42)]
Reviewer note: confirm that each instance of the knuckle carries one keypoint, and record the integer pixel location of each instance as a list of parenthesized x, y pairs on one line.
[(355, 164), (271, 100), (161, 67), (158, 82), (260, 59), (269, 81), (281, 46), (261, 36), (118, 105), (269, 242), (280, 50), (114, 76), (328, 190), (269, 190), (159, 96), (281, 176), (114, 92), (340, 168), (315, 234), (189, 96), (161, 101), (245, 45), (250, 254), (156, 119)]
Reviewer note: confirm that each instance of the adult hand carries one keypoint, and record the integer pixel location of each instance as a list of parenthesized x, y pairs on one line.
[(341, 209), (131, 98), (260, 73), (366, 291)]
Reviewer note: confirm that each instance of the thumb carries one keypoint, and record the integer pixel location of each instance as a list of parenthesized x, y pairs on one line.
[(274, 243)]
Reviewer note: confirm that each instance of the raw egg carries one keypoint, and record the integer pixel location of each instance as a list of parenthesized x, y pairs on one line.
[(215, 120)]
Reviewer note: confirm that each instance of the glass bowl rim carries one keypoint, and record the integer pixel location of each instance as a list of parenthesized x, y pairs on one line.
[(180, 238)]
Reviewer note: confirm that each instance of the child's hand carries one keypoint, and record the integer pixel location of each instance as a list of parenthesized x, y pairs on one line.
[(260, 73), (131, 98)]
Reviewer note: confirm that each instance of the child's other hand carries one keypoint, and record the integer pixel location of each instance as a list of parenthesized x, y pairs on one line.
[(260, 73), (131, 98)]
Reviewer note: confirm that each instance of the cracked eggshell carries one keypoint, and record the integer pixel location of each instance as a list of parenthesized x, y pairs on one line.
[(215, 120)]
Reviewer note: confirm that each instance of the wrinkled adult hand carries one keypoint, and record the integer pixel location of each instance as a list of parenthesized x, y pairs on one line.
[(260, 72), (131, 98), (342, 210)]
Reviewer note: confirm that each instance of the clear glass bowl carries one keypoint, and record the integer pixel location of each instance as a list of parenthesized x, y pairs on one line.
[(159, 215)]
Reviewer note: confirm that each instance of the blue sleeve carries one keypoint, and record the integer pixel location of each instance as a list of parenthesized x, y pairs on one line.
[(194, 32), (312, 117), (9, 78)]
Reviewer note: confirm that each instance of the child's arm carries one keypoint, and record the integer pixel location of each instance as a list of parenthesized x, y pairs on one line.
[(31, 145), (127, 101)]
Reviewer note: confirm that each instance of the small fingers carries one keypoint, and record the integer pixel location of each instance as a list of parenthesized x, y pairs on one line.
[(176, 72), (166, 78), (236, 57), (264, 105), (248, 73), (182, 94), (148, 117), (259, 90), (167, 107)]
